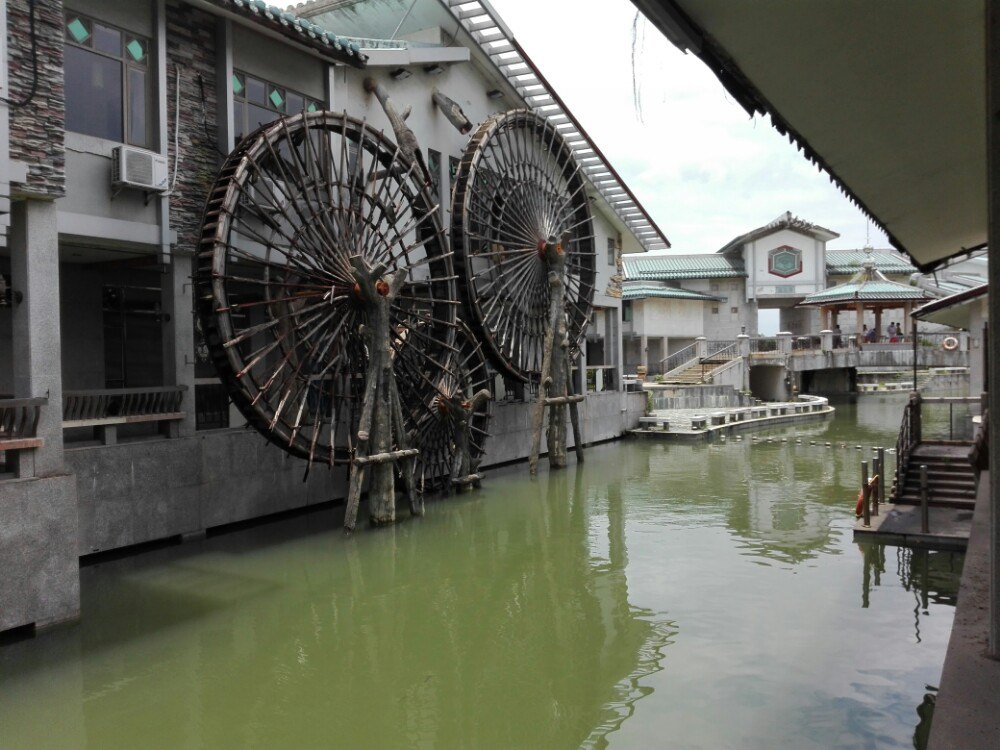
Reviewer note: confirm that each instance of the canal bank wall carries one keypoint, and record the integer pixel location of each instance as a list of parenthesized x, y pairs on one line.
[(133, 493)]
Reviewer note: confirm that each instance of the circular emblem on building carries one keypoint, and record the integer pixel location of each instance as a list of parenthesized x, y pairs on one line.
[(784, 261)]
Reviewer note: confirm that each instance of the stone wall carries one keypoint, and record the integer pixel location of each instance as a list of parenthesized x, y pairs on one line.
[(191, 44), (36, 130), (40, 583), (142, 491)]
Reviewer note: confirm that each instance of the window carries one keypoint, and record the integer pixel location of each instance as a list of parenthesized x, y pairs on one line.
[(612, 252), (434, 167), (627, 311), (715, 310), (257, 102), (108, 82), (734, 310), (784, 261)]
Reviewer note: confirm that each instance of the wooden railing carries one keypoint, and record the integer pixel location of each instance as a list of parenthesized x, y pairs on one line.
[(19, 433), (105, 410)]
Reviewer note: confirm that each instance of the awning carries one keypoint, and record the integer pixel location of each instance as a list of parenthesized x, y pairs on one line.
[(952, 311), (887, 97)]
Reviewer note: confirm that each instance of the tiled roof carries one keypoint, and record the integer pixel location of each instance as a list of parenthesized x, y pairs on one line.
[(297, 29), (679, 267), (868, 284), (844, 262), (785, 221), (642, 291)]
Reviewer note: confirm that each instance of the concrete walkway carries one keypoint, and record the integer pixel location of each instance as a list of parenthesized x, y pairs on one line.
[(967, 714)]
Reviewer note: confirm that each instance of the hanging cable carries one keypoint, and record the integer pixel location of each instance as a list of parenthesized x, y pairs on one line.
[(177, 128), (34, 62)]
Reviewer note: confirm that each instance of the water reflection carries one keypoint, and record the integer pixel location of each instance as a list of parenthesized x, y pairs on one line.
[(929, 575)]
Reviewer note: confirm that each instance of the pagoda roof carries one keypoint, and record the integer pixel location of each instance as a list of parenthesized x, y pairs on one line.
[(867, 285)]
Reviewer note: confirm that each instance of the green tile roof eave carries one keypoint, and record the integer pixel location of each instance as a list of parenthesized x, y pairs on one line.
[(643, 292), (299, 29)]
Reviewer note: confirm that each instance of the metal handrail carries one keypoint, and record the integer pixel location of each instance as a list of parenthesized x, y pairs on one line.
[(714, 348), (906, 441), (679, 358)]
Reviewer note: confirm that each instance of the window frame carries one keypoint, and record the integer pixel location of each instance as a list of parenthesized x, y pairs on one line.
[(127, 64), (243, 129)]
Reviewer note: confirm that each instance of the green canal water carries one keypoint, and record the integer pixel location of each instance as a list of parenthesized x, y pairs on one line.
[(662, 595)]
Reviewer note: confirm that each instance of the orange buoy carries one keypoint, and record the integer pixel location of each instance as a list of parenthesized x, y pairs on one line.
[(859, 509)]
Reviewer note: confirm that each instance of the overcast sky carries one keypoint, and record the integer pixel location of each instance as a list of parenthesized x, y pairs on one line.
[(704, 170)]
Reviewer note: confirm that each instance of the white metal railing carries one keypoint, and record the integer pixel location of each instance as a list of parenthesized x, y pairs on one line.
[(679, 359), (484, 24)]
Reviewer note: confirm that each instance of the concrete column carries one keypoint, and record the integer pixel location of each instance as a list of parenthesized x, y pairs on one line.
[(826, 340), (825, 317), (178, 334), (785, 342), (643, 352), (859, 313), (743, 345), (701, 347), (878, 321), (993, 205), (34, 265), (907, 320)]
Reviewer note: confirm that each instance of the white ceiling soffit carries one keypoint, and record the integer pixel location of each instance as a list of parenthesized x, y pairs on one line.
[(888, 97), (483, 23)]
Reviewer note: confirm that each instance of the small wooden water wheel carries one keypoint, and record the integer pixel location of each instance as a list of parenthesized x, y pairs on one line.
[(327, 296), (524, 245), (452, 435)]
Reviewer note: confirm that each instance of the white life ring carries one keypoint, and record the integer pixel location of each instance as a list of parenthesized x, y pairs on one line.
[(949, 344)]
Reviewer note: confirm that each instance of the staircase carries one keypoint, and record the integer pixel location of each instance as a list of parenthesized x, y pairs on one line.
[(699, 370), (950, 477)]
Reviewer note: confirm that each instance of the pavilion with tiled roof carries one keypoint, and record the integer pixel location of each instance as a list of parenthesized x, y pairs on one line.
[(868, 289)]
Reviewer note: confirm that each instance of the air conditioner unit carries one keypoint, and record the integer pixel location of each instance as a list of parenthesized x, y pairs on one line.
[(138, 168)]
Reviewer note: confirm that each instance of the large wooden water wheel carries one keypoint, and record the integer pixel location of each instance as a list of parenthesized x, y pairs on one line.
[(519, 187), (316, 229), (524, 244)]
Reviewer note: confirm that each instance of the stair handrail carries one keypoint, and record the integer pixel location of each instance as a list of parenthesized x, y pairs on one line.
[(722, 368), (715, 348), (907, 440), (729, 353), (679, 359)]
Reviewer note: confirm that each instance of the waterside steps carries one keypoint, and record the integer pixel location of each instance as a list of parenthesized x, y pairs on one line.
[(951, 479)]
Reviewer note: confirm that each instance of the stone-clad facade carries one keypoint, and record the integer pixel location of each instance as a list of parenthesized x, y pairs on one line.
[(36, 130), (191, 46)]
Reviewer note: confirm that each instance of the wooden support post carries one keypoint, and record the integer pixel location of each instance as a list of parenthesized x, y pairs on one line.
[(866, 510), (406, 139), (881, 474), (554, 387), (925, 511), (452, 112), (460, 412), (381, 436), (574, 418), (876, 478)]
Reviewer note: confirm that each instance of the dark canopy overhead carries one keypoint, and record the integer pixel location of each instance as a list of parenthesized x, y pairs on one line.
[(888, 96)]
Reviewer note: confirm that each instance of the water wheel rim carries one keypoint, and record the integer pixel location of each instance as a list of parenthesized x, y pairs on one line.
[(517, 185)]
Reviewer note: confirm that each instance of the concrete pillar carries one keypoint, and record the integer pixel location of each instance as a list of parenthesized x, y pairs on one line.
[(825, 317), (878, 321), (701, 347), (785, 342), (34, 265), (826, 340), (907, 320), (993, 205), (643, 352), (743, 345), (859, 313), (178, 334)]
